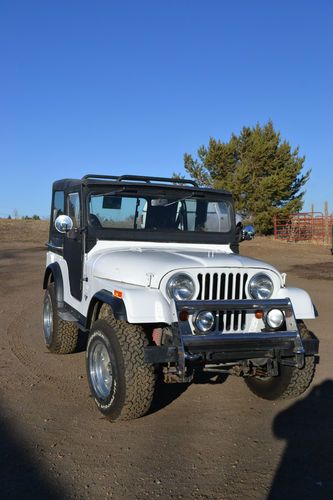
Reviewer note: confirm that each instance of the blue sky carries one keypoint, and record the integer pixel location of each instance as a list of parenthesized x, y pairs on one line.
[(130, 86)]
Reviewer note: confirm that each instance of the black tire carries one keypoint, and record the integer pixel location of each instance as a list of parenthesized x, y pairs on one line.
[(60, 336), (121, 383), (291, 381)]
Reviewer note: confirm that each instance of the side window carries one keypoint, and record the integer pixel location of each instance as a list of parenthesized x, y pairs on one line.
[(58, 204), (73, 209)]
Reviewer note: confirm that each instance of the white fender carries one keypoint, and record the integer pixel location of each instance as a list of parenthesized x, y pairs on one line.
[(301, 301), (146, 306), (143, 304)]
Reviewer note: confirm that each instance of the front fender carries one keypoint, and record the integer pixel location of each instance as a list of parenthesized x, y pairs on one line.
[(146, 305), (142, 304), (301, 301)]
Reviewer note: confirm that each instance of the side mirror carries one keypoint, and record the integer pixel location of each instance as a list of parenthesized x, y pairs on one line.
[(63, 224)]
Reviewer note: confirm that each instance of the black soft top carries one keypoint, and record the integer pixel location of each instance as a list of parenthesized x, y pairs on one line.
[(150, 186), (99, 181)]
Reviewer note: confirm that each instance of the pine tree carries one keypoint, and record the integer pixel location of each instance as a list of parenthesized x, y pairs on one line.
[(262, 171)]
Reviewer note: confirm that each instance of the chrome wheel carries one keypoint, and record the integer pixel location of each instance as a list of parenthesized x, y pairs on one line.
[(48, 319), (100, 369)]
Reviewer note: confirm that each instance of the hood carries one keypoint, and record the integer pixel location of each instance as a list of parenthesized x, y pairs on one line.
[(144, 266)]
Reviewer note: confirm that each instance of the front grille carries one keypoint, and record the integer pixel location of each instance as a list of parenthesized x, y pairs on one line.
[(225, 286)]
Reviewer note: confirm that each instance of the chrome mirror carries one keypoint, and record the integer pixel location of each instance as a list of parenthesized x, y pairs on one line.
[(63, 224)]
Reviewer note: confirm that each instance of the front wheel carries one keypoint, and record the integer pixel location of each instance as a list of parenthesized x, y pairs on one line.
[(120, 381), (290, 383)]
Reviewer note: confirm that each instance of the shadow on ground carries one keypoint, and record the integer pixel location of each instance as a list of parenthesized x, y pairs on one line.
[(165, 394), (306, 468), (21, 474)]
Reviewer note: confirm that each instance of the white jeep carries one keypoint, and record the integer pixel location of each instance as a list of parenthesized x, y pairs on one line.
[(149, 268)]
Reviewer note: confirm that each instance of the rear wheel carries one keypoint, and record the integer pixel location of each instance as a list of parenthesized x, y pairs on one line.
[(60, 336), (291, 381), (120, 381)]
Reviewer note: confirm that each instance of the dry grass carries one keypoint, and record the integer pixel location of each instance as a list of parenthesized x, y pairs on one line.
[(34, 232)]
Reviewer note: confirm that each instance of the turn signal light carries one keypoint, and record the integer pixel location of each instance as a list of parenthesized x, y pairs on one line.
[(259, 314), (183, 315)]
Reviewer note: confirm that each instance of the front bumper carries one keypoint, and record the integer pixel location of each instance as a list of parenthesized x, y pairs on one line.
[(223, 347)]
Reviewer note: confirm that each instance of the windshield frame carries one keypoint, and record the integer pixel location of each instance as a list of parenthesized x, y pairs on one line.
[(143, 190)]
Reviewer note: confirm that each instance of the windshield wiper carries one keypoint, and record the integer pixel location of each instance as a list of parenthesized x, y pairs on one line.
[(180, 199)]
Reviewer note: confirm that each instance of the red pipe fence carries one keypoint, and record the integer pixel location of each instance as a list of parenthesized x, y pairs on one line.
[(304, 226)]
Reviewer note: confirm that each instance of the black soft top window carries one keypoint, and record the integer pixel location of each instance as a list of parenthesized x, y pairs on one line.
[(58, 208)]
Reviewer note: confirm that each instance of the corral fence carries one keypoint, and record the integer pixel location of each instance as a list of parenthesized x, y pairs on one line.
[(304, 226)]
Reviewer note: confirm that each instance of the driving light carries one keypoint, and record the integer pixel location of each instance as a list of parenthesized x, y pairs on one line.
[(180, 287), (261, 286), (204, 321), (274, 318)]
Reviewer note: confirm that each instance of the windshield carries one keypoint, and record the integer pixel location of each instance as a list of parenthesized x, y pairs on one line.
[(189, 213)]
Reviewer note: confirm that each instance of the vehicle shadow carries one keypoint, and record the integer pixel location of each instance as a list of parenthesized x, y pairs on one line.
[(165, 394), (82, 342), (306, 467), (21, 475), (201, 377)]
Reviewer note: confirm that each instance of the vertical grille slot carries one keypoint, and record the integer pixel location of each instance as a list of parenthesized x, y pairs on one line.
[(207, 286), (215, 280), (243, 288), (222, 287)]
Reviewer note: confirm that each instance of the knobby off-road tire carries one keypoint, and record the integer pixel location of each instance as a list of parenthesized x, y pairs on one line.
[(60, 336), (121, 383), (291, 381)]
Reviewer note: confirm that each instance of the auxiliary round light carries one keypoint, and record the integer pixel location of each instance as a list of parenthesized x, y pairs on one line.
[(274, 318), (204, 321)]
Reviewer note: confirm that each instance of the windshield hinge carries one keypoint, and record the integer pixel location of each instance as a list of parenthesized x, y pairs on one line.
[(149, 279)]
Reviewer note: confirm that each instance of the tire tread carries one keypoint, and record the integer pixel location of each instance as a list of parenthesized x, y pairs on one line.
[(139, 376)]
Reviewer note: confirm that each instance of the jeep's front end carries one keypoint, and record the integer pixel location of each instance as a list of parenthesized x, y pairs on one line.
[(232, 320)]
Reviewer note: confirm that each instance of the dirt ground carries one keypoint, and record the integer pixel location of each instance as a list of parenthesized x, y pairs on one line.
[(208, 440)]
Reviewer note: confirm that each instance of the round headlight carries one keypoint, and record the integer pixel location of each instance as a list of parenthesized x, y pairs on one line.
[(204, 321), (180, 287), (261, 286), (274, 318)]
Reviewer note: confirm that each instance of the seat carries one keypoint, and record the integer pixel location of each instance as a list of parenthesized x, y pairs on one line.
[(161, 217), (94, 221)]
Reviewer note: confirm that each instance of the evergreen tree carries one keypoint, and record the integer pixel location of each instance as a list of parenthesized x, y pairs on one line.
[(262, 172)]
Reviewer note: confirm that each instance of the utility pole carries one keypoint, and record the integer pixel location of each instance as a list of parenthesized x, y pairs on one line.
[(326, 222)]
